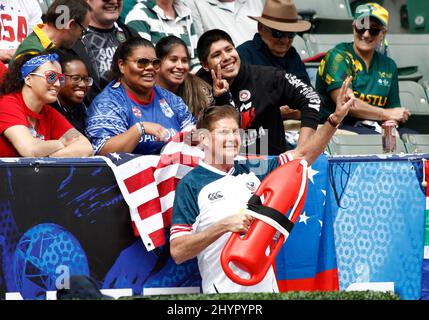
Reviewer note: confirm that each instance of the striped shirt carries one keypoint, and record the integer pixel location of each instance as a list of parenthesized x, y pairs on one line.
[(150, 21)]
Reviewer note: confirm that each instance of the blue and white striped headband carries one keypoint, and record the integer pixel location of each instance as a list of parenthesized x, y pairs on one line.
[(36, 62)]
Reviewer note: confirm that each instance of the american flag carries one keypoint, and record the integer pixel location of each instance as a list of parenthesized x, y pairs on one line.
[(148, 183)]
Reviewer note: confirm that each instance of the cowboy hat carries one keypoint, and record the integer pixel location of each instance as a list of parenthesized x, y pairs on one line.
[(282, 15)]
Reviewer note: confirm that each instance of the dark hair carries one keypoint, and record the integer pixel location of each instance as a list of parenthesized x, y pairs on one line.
[(207, 39), (208, 116), (77, 10), (11, 81), (124, 50), (166, 44), (66, 57)]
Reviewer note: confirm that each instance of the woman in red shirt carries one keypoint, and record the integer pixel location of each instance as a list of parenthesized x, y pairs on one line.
[(29, 127)]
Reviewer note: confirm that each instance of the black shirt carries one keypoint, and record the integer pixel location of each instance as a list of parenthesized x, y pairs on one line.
[(258, 92), (257, 52), (75, 115)]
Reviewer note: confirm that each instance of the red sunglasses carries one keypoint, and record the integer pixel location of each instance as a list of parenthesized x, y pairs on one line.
[(51, 77)]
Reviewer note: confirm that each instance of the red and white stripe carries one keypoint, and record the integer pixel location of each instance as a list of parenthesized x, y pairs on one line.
[(148, 186)]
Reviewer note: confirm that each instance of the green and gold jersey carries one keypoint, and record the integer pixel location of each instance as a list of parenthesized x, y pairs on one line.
[(378, 86), (36, 42)]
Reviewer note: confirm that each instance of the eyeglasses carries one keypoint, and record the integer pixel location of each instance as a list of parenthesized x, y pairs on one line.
[(143, 63), (277, 34), (84, 31), (76, 79), (372, 31), (51, 77)]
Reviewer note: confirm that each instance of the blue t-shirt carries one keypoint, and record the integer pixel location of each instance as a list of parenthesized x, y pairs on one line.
[(113, 112)]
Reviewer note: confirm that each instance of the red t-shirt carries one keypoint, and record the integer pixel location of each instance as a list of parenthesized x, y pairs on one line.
[(3, 70), (51, 124)]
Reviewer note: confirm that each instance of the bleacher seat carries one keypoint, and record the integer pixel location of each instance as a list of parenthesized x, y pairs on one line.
[(416, 143), (328, 16), (413, 97), (360, 144), (327, 8), (318, 43), (301, 47), (410, 50), (355, 3), (418, 16)]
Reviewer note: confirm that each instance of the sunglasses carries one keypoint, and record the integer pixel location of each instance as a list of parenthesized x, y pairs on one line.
[(76, 79), (51, 77), (372, 31), (143, 63), (277, 34)]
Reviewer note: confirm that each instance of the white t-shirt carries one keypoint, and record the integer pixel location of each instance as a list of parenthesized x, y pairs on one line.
[(208, 195), (17, 19)]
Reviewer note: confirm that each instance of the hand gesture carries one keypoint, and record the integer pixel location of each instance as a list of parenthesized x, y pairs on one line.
[(345, 100), (220, 86)]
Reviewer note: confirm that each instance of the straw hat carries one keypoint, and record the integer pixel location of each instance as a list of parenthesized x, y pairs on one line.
[(282, 15)]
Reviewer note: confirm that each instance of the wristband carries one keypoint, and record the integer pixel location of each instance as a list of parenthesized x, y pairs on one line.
[(140, 128), (332, 122)]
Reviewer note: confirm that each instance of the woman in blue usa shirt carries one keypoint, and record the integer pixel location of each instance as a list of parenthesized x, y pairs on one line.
[(132, 114)]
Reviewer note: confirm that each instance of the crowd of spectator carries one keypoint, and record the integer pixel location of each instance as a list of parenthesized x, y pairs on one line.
[(103, 76), (206, 52)]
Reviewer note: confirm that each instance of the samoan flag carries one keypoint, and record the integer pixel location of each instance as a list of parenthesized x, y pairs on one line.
[(425, 269), (307, 261)]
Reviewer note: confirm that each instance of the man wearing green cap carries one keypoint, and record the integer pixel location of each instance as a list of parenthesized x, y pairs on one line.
[(375, 76)]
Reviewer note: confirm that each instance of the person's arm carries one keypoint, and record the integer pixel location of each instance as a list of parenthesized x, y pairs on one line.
[(365, 111), (188, 246), (298, 95), (27, 146), (313, 147), (305, 133), (128, 140), (75, 145), (6, 54)]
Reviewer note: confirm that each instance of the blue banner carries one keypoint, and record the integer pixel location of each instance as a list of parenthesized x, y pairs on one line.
[(378, 210)]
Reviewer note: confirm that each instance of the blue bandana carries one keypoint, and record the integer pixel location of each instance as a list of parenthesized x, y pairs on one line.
[(36, 62)]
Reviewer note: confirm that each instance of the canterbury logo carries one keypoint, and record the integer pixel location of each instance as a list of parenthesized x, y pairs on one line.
[(215, 196)]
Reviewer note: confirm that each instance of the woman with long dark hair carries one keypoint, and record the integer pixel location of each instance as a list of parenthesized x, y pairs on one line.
[(174, 74), (29, 126), (132, 114)]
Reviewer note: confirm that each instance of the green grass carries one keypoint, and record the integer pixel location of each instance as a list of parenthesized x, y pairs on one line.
[(294, 295)]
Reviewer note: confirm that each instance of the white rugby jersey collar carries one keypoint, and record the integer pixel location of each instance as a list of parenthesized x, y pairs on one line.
[(215, 170)]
